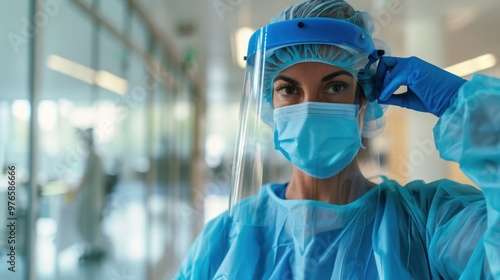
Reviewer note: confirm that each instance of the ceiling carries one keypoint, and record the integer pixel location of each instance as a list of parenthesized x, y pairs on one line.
[(206, 27), (469, 31)]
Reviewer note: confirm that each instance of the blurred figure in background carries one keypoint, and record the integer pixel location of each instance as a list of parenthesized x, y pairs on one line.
[(89, 200)]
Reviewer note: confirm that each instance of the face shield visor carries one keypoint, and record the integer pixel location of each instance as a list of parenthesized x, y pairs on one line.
[(273, 49)]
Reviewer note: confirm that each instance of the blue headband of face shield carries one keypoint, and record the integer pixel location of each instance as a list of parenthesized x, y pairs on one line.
[(325, 31)]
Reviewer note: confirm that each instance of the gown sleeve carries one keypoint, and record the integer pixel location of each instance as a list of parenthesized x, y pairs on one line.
[(207, 252), (463, 225)]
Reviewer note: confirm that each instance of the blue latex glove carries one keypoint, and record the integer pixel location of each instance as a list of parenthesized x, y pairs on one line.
[(430, 88)]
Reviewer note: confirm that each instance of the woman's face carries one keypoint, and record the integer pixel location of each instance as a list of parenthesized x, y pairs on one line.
[(313, 82)]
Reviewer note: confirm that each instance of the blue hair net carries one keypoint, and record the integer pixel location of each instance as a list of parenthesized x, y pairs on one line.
[(341, 56)]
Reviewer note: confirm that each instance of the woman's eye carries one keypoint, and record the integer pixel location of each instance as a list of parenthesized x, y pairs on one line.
[(286, 90), (336, 88)]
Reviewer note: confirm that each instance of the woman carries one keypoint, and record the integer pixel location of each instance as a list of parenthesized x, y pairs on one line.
[(312, 79)]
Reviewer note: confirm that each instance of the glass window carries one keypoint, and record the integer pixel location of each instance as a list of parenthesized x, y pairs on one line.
[(140, 33), (14, 137), (65, 111), (115, 11), (112, 66), (114, 146)]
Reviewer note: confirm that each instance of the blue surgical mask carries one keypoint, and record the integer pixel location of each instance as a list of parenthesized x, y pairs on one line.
[(319, 138)]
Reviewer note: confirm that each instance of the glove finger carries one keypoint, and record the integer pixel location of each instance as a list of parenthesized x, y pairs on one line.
[(401, 99), (392, 85), (406, 100), (395, 75), (385, 64)]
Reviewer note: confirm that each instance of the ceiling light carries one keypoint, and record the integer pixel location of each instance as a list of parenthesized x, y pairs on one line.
[(102, 78), (472, 66), (111, 82), (71, 68)]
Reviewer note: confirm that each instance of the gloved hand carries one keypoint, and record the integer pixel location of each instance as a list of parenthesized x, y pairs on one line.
[(430, 88)]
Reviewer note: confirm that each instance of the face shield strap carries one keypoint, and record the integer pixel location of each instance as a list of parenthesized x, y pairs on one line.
[(374, 56), (357, 96)]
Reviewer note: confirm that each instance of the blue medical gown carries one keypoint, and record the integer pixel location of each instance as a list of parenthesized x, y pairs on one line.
[(439, 230)]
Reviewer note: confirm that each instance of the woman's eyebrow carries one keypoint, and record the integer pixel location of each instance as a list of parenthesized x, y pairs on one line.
[(286, 79), (335, 74)]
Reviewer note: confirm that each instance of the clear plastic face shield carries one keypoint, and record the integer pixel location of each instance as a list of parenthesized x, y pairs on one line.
[(263, 152)]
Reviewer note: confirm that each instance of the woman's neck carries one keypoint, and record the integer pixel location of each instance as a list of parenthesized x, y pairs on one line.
[(342, 188)]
